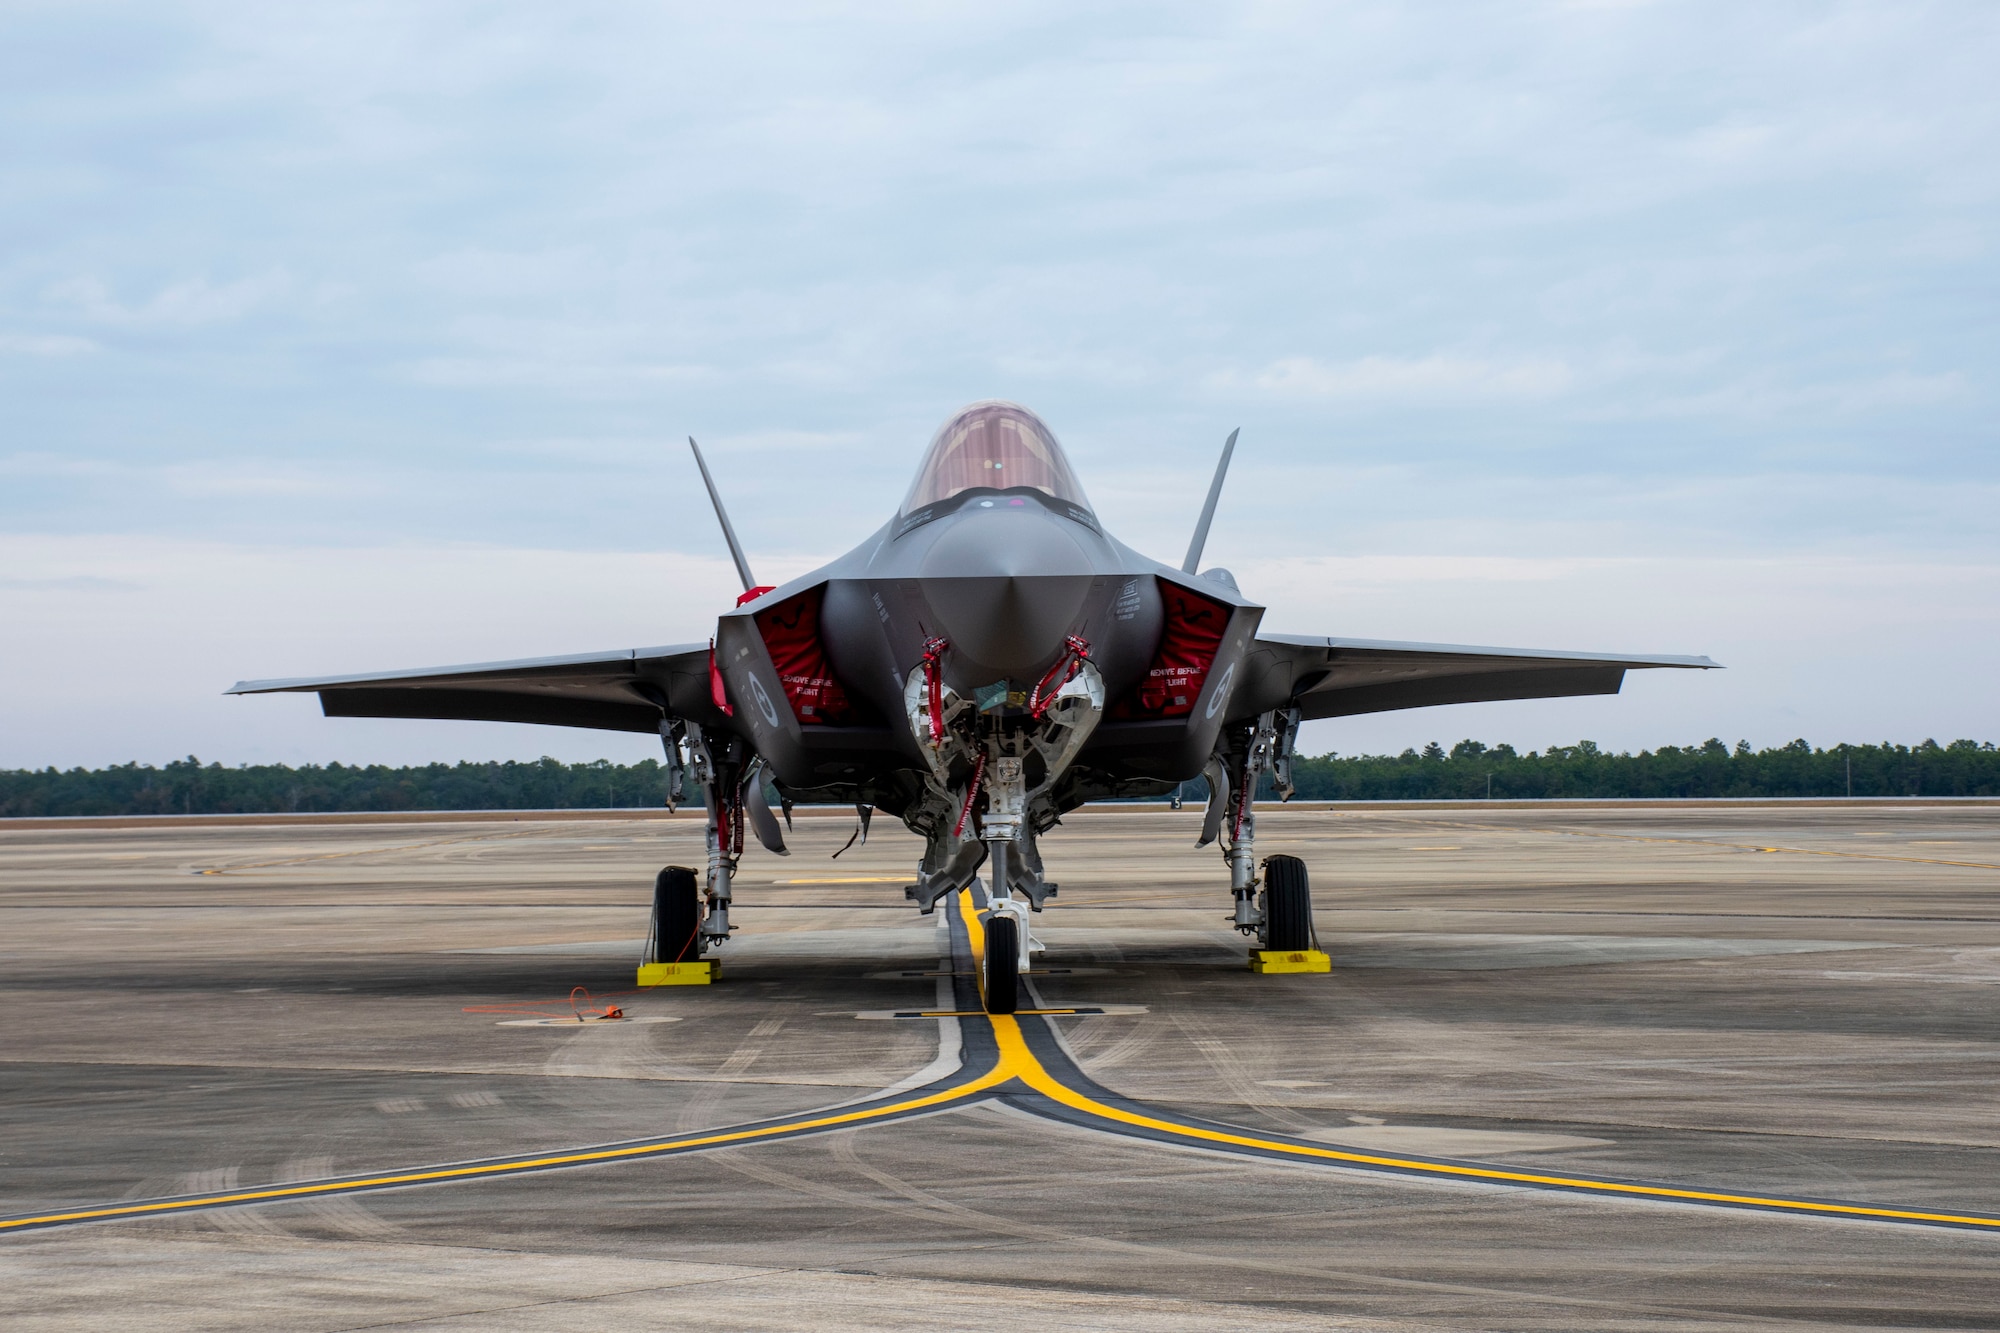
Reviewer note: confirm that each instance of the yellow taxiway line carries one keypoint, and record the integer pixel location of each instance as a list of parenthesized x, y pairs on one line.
[(1019, 1062), (434, 1175)]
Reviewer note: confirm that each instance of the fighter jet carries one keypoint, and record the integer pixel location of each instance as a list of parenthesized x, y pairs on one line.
[(988, 660)]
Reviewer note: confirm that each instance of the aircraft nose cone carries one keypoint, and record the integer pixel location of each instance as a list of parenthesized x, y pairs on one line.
[(1005, 586)]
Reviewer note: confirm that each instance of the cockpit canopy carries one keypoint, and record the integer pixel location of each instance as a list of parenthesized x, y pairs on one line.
[(995, 446)]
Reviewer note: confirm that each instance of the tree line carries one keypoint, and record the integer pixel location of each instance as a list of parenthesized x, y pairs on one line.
[(1472, 771), (190, 787), (1469, 770)]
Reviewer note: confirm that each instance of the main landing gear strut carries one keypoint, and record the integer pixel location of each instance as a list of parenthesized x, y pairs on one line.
[(1275, 908), (691, 910)]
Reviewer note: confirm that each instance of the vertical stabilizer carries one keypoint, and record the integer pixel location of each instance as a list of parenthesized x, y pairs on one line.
[(736, 548), (1207, 510)]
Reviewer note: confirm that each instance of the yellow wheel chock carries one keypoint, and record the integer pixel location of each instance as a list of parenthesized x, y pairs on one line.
[(1289, 960), (680, 974)]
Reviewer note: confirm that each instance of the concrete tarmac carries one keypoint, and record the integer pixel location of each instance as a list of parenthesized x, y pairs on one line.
[(1743, 999)]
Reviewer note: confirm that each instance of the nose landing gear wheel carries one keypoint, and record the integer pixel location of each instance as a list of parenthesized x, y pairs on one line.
[(676, 916), (1288, 913), (1003, 965)]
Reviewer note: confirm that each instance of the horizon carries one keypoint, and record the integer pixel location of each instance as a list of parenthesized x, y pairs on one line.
[(1586, 746), (1469, 771)]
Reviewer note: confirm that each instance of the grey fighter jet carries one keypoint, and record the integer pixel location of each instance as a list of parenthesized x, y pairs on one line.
[(987, 660)]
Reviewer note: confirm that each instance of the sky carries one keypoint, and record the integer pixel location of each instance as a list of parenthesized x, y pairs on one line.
[(366, 336)]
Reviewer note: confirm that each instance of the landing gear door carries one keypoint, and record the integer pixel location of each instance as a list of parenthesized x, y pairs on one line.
[(1213, 705), (762, 711)]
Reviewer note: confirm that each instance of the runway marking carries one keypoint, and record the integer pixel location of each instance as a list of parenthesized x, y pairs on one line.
[(365, 851), (1015, 1071), (1710, 842), (914, 975), (1085, 1011)]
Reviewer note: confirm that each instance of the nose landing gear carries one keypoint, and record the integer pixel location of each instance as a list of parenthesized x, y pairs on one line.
[(995, 756), (1001, 979)]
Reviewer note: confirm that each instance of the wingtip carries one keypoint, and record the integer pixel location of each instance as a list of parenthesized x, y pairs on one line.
[(257, 687)]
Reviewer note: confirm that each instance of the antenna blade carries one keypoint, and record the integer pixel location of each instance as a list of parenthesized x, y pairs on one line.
[(729, 533), (1208, 509)]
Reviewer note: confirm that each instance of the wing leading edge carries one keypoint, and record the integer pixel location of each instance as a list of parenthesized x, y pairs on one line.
[(631, 689), (1329, 677)]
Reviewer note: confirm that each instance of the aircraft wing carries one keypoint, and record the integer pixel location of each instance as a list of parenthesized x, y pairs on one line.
[(1328, 677), (630, 689)]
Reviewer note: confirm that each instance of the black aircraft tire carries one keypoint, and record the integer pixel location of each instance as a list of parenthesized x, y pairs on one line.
[(1003, 965), (1288, 913), (676, 916)]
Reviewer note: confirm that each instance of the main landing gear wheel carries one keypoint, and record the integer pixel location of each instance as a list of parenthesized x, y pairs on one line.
[(1003, 965), (1288, 912), (676, 916)]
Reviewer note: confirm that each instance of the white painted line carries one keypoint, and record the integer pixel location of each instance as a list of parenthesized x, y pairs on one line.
[(584, 1023)]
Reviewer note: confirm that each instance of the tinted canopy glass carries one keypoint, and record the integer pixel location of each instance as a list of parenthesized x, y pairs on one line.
[(997, 446)]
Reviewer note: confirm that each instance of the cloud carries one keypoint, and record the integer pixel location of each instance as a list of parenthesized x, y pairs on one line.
[(1379, 571), (579, 374), (1766, 397), (231, 479), (44, 344), (187, 303), (1420, 379), (73, 583), (194, 478)]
